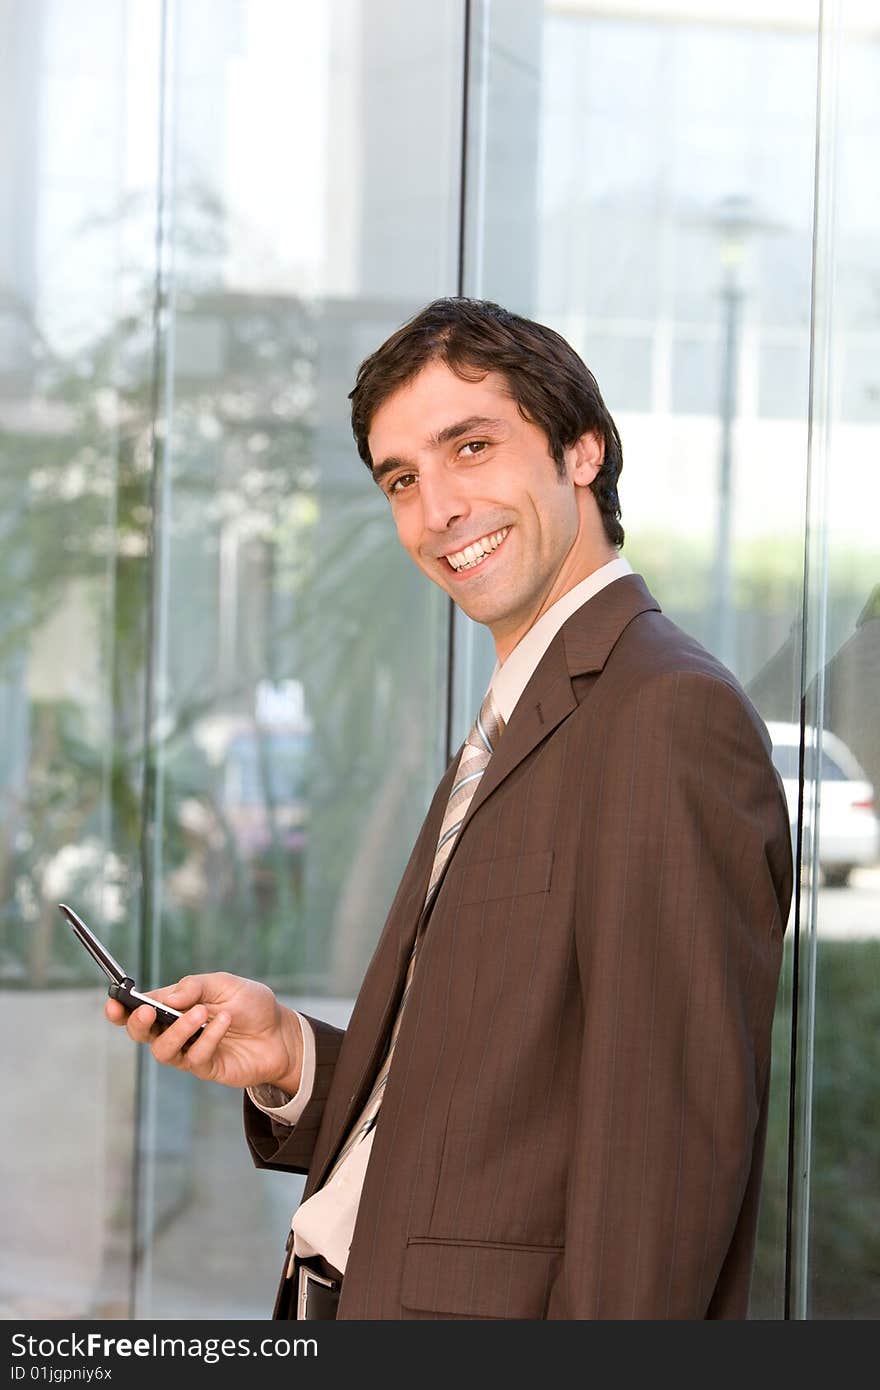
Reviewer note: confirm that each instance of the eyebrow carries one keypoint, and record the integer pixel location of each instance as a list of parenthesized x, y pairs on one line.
[(474, 424)]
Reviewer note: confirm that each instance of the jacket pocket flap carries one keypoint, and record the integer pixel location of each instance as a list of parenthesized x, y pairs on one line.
[(508, 877), (477, 1280)]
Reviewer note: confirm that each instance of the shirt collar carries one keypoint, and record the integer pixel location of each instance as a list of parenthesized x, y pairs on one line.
[(510, 679)]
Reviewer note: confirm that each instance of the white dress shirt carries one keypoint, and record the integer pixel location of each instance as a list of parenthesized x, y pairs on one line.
[(324, 1225)]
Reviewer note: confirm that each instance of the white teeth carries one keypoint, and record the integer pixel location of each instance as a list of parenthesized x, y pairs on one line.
[(475, 552)]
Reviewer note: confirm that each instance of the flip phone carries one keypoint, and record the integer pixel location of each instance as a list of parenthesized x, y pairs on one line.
[(121, 984)]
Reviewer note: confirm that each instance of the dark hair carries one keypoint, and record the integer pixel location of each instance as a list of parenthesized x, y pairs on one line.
[(552, 386)]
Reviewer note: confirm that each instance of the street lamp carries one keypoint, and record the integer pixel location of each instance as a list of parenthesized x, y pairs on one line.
[(734, 225)]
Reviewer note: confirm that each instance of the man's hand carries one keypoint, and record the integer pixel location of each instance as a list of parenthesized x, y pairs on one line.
[(249, 1039)]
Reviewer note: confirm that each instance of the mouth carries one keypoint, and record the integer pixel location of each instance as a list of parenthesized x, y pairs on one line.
[(475, 554)]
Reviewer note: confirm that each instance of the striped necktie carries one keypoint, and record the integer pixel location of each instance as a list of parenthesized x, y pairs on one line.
[(478, 748)]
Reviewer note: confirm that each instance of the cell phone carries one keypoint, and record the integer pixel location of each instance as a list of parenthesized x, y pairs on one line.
[(121, 983)]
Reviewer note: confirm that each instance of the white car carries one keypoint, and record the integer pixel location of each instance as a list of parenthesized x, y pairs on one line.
[(849, 830)]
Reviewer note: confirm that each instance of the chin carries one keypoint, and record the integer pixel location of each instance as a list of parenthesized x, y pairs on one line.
[(486, 613)]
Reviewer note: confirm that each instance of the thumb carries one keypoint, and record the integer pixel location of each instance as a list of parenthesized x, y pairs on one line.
[(188, 991)]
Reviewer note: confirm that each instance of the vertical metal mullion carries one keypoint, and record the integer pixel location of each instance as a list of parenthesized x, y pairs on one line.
[(145, 1096), (814, 619), (460, 290), (463, 189)]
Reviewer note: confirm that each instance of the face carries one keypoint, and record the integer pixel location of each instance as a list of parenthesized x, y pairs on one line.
[(478, 502)]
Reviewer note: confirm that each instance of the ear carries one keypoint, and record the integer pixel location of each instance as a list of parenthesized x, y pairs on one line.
[(585, 458)]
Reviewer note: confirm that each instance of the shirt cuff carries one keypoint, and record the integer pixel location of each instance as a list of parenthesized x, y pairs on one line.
[(277, 1103)]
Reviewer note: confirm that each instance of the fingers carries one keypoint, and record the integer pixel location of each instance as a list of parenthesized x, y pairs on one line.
[(181, 996), (181, 1044), (215, 989), (189, 994), (201, 1051), (192, 1041), (137, 1024), (114, 1011), (192, 989)]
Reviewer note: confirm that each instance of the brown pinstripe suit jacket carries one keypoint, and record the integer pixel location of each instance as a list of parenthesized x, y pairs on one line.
[(574, 1124)]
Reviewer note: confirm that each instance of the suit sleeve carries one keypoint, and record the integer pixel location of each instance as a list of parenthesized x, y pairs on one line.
[(274, 1144), (682, 903)]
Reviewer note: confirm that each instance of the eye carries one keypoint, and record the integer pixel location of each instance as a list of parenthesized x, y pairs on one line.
[(400, 484), (476, 445)]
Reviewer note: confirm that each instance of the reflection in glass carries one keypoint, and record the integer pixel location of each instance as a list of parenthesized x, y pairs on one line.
[(674, 251), (298, 660), (835, 1248), (75, 420)]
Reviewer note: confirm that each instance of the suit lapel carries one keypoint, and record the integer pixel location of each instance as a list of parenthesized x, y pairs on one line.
[(581, 646)]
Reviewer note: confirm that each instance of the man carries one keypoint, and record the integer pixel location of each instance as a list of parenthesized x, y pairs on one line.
[(551, 1098)]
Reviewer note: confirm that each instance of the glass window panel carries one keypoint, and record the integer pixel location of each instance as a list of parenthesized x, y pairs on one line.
[(675, 216), (77, 194), (784, 379), (695, 376), (624, 363), (841, 1219), (860, 348), (786, 758), (299, 659)]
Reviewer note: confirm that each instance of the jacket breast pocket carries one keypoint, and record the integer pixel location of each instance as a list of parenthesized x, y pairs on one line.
[(511, 876), (479, 1280)]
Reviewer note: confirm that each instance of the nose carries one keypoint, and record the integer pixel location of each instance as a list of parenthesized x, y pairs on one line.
[(442, 497)]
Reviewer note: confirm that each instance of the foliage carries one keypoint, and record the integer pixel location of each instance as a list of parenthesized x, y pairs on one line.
[(94, 481), (844, 1211)]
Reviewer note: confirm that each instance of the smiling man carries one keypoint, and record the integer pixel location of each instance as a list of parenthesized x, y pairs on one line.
[(478, 503), (551, 1098)]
